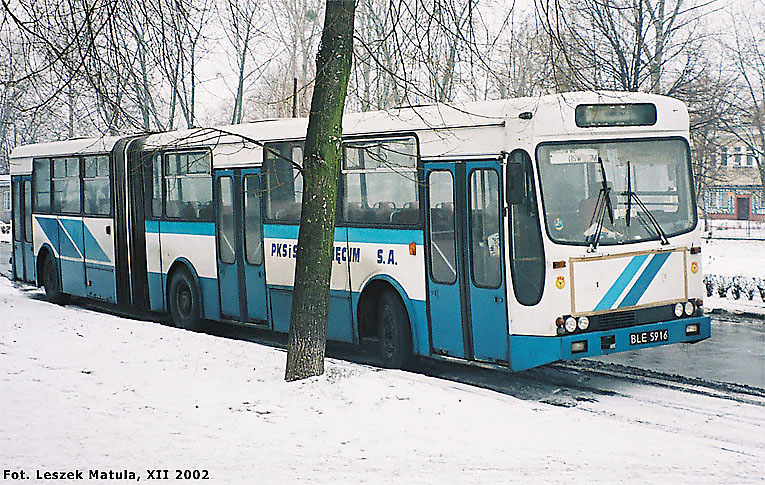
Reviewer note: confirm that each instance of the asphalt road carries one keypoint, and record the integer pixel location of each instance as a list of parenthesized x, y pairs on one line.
[(735, 353)]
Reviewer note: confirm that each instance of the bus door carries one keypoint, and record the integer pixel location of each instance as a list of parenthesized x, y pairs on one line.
[(485, 247), (239, 231), (23, 259), (254, 268), (445, 272), (466, 287)]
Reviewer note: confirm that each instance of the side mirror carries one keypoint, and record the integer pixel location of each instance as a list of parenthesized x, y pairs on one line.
[(515, 184)]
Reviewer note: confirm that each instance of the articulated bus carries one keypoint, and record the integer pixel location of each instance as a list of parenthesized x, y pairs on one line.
[(510, 233)]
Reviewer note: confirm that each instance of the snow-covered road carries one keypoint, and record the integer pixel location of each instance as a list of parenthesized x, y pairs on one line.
[(86, 390)]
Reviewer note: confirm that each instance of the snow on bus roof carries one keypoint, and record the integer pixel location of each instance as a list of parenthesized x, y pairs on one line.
[(21, 156), (436, 126)]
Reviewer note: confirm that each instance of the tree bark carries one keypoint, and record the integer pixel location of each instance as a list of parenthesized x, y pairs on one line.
[(321, 165)]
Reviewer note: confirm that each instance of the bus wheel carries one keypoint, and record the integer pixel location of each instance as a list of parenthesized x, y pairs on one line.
[(184, 301), (51, 282), (393, 328)]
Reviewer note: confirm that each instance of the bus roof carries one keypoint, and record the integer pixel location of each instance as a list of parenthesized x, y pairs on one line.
[(439, 128)]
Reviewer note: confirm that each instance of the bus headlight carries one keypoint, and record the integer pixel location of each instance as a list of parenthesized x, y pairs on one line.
[(583, 323), (689, 308), (679, 310), (570, 324)]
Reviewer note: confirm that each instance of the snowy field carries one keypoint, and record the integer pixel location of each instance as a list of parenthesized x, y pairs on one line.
[(86, 390), (734, 258)]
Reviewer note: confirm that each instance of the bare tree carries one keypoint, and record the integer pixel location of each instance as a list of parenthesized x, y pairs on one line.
[(321, 167), (745, 49)]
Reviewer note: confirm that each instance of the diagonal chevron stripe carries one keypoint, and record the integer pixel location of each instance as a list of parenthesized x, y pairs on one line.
[(621, 283), (645, 279)]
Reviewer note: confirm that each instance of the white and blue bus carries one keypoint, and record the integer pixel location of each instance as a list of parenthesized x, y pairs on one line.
[(512, 233)]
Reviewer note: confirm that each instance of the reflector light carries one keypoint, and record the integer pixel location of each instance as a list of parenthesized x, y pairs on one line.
[(570, 324), (559, 264), (689, 308), (412, 248), (579, 346), (679, 310)]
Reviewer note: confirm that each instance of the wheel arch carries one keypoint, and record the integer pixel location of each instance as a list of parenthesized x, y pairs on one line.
[(45, 251), (367, 305), (179, 264)]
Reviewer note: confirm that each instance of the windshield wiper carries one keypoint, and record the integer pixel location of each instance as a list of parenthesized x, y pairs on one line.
[(633, 195), (602, 206)]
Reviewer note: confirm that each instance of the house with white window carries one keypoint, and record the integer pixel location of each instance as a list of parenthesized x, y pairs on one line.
[(5, 198), (736, 191)]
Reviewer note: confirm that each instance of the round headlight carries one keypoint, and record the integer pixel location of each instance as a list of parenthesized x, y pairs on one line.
[(570, 324), (678, 310), (583, 323), (689, 308)]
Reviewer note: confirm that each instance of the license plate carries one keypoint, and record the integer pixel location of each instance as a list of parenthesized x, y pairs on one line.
[(649, 337)]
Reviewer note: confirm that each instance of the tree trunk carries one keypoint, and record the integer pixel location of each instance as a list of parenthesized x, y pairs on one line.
[(321, 165)]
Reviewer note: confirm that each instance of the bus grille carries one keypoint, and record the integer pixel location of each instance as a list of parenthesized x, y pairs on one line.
[(616, 320)]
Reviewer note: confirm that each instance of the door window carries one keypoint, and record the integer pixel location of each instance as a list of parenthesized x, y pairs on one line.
[(484, 223), (443, 260), (253, 238), (28, 211), (226, 237), (16, 211)]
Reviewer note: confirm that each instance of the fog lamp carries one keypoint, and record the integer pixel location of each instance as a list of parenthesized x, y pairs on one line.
[(689, 308), (678, 310), (692, 329)]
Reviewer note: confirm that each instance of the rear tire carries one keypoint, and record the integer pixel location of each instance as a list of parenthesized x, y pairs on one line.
[(184, 301), (50, 281), (393, 332)]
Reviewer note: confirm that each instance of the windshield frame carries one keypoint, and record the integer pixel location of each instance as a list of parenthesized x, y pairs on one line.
[(589, 141)]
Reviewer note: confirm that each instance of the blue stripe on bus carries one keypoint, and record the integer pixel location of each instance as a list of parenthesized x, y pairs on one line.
[(355, 234), (390, 236), (180, 227), (645, 279), (621, 282)]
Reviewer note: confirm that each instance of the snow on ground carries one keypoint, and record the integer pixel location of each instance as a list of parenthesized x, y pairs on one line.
[(734, 258), (87, 390)]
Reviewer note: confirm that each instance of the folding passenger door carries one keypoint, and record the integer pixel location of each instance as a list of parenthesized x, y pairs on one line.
[(444, 266), (228, 234), (466, 285), (27, 248), (484, 241), (252, 224), (239, 229)]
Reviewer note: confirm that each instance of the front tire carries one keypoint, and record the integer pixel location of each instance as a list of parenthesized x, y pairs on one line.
[(184, 301), (50, 281), (393, 332)]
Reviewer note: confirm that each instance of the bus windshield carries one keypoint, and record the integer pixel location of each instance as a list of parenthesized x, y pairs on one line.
[(572, 180)]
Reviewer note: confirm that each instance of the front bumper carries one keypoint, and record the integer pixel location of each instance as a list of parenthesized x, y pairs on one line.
[(531, 351)]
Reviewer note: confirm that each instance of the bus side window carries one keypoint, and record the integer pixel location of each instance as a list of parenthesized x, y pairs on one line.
[(527, 259), (283, 180), (41, 175), (379, 180), (96, 187), (66, 185), (188, 186)]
